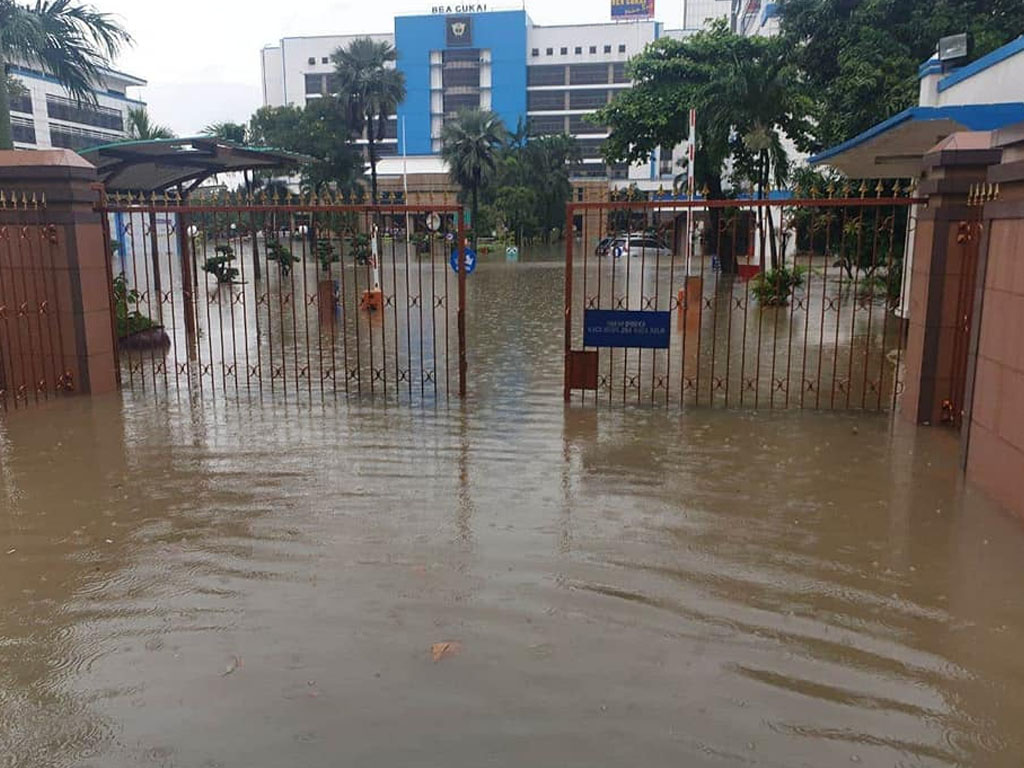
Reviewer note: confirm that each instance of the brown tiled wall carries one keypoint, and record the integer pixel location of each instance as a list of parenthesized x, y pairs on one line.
[(996, 454)]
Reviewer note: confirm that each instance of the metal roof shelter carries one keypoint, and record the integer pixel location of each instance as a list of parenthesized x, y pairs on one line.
[(159, 165)]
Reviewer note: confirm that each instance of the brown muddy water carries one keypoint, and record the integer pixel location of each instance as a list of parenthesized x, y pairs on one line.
[(231, 584)]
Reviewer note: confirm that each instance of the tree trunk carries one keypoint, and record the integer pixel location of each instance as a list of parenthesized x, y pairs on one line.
[(6, 131), (766, 171), (373, 160), (475, 205)]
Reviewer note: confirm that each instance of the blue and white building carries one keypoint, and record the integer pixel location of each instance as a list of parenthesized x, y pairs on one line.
[(549, 78), (46, 117)]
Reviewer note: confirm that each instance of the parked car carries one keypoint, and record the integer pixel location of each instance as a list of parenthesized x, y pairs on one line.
[(603, 246), (638, 244)]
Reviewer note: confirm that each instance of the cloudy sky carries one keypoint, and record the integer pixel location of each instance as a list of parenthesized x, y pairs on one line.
[(201, 57)]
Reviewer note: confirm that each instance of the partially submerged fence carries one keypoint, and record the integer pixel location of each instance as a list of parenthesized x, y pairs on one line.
[(774, 303), (303, 298), (34, 296)]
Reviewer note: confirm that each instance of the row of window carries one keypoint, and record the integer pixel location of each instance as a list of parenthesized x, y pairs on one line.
[(557, 101), (572, 124), (578, 50), (577, 74), (323, 60), (59, 108), (597, 171), (76, 138)]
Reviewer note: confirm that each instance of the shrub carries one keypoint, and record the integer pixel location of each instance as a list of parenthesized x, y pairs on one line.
[(773, 288), (220, 265), (126, 308)]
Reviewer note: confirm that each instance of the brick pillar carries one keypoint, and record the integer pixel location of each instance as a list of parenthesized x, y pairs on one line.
[(994, 426), (75, 270), (950, 170)]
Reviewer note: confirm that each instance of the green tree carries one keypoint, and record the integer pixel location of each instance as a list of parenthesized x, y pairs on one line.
[(860, 59), (321, 131), (370, 88), (69, 41), (142, 128), (471, 145), (747, 95)]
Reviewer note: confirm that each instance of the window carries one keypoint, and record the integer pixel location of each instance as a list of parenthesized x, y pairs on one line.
[(311, 61), (607, 49), (454, 102), (622, 49), (593, 49), (548, 124), (535, 52), (461, 78), (548, 75), (565, 51), (580, 124), (24, 131), (619, 73), (59, 108), (76, 138), (588, 74), (545, 101), (579, 194), (588, 99), (314, 84), (551, 51), (578, 50), (325, 60), (590, 148), (22, 103)]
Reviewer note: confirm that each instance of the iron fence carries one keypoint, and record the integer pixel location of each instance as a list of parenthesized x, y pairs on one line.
[(774, 303), (299, 298), (33, 296)]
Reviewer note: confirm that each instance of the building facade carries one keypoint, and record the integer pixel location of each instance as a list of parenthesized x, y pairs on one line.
[(549, 79), (46, 117)]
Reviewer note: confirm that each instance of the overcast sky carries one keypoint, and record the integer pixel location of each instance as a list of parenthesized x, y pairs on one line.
[(201, 57)]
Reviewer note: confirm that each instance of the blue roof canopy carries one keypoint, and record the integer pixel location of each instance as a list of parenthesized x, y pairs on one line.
[(894, 148)]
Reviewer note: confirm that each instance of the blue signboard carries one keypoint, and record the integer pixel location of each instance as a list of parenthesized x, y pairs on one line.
[(470, 261), (632, 330), (632, 9)]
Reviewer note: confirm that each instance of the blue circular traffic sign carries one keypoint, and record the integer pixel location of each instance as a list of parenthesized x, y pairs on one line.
[(470, 261), (618, 252)]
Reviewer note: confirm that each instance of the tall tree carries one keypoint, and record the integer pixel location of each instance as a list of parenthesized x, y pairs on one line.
[(747, 94), (142, 128), (471, 145), (321, 131), (69, 41), (860, 57), (370, 88)]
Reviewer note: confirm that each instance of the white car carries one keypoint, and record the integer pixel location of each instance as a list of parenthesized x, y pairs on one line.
[(639, 245)]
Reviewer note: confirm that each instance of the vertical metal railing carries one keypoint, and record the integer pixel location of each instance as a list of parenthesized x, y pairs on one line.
[(785, 302), (33, 296), (299, 298)]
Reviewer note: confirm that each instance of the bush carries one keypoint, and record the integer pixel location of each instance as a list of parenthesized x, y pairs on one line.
[(326, 254), (220, 265), (126, 308), (773, 288), (281, 255)]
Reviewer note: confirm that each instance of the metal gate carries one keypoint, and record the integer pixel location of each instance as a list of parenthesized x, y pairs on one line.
[(778, 303), (297, 299)]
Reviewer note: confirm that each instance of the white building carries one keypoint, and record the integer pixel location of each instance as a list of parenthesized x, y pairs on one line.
[(47, 117)]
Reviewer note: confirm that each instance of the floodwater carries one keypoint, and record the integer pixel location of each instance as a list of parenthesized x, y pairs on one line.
[(505, 582)]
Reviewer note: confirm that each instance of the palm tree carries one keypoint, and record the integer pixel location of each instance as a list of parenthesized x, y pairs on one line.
[(471, 145), (142, 128), (371, 88), (68, 41), (236, 133)]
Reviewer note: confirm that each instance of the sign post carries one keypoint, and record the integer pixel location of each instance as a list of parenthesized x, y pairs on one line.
[(691, 187)]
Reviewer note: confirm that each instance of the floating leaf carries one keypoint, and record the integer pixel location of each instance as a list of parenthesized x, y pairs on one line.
[(444, 650)]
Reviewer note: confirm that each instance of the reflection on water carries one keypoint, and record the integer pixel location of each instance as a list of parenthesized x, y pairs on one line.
[(223, 584)]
